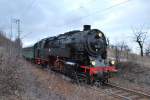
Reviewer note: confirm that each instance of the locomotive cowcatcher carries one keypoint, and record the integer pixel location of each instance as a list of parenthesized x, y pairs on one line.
[(81, 55)]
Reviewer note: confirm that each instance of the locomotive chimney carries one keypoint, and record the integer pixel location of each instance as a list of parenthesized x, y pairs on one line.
[(86, 27)]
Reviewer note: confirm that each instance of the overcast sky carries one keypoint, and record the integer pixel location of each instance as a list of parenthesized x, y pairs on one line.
[(43, 18)]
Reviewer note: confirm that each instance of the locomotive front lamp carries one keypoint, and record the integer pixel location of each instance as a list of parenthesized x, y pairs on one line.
[(93, 63), (112, 62), (100, 34)]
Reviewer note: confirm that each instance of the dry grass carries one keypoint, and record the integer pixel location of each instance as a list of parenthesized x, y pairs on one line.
[(130, 57), (134, 72), (10, 81), (65, 90)]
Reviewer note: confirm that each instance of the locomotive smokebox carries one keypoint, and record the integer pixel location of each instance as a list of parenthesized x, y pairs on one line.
[(86, 27)]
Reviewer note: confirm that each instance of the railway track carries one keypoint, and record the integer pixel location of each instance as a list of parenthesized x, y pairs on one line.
[(122, 93)]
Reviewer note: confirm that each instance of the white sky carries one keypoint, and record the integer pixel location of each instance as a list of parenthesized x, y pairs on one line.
[(44, 18)]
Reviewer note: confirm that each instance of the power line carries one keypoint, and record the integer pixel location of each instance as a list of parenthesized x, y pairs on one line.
[(24, 15), (100, 11), (10, 33), (25, 35), (17, 21), (113, 6)]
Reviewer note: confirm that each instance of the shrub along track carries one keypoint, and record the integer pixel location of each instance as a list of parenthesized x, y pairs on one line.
[(76, 91), (61, 85)]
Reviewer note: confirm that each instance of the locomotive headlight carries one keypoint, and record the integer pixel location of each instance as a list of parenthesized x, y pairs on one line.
[(112, 62), (93, 63), (100, 34)]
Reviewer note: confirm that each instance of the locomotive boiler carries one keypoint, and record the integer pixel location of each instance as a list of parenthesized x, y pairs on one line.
[(78, 54)]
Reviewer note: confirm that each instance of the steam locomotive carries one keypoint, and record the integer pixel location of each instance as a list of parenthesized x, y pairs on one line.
[(78, 54)]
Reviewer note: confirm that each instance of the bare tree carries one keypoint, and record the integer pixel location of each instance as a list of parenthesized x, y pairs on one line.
[(121, 51), (140, 37)]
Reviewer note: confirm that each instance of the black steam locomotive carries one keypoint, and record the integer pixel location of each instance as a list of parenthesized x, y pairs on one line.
[(78, 54)]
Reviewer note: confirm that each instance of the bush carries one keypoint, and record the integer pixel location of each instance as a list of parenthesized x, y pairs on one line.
[(10, 80)]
